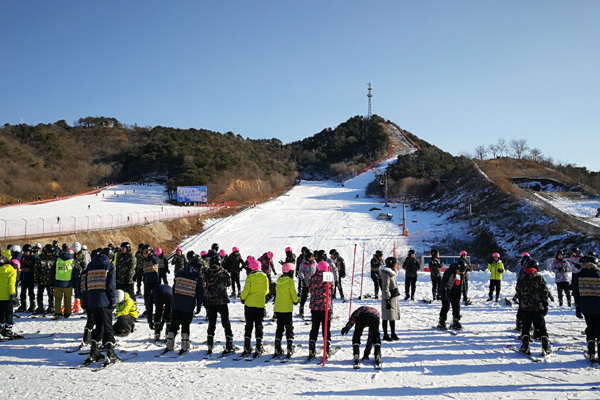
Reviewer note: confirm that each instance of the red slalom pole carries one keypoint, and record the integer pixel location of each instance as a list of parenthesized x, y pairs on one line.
[(352, 286), (363, 271), (325, 327)]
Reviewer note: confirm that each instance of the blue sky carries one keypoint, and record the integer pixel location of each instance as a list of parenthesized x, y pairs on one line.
[(455, 73)]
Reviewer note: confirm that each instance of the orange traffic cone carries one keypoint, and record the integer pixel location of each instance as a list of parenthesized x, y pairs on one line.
[(77, 305)]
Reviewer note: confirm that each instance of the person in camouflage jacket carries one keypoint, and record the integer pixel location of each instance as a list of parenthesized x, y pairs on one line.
[(43, 266), (125, 269), (179, 260), (138, 264), (216, 282)]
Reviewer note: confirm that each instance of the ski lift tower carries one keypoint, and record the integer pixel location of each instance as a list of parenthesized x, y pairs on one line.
[(369, 95)]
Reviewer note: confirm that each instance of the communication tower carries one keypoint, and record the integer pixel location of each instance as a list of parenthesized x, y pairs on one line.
[(369, 95)]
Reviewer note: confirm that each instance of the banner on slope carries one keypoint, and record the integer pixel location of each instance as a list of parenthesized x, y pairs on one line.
[(191, 194)]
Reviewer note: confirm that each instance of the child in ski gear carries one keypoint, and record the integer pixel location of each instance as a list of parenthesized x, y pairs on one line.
[(390, 296), (187, 288), (411, 266), (435, 267), (163, 266), (465, 278), (364, 317), (340, 268), (376, 262), (253, 297), (575, 257), (496, 268), (100, 287), (308, 268), (285, 301), (533, 304), (319, 302), (451, 290), (586, 292), (216, 282), (8, 279), (161, 300), (126, 314), (562, 277)]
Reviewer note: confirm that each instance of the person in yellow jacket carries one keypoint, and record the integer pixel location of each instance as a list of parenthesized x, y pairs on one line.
[(285, 300), (126, 315), (8, 280), (253, 298), (497, 269)]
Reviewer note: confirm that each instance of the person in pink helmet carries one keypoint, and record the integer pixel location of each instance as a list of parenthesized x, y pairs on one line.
[(465, 278), (496, 268), (163, 266), (319, 303), (290, 257), (266, 261)]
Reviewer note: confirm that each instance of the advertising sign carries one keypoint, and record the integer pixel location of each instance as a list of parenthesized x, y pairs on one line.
[(191, 194)]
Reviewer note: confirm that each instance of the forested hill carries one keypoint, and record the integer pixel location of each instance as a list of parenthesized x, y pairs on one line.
[(57, 158)]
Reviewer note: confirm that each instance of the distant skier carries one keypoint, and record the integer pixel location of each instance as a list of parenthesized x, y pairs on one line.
[(364, 317), (390, 296), (411, 266), (376, 262), (533, 305), (496, 268), (435, 267), (586, 290), (562, 277), (285, 301)]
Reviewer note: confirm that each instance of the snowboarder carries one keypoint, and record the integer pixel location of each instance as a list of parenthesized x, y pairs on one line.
[(216, 282), (390, 296), (533, 305), (562, 272), (376, 262), (451, 290), (496, 268), (125, 269), (254, 300), (340, 266), (162, 301), (234, 264), (178, 261), (8, 279), (319, 302), (64, 276), (411, 266), (126, 314), (435, 268), (43, 267), (307, 269), (100, 287), (163, 266), (27, 279), (586, 290), (187, 288), (285, 301), (364, 317)]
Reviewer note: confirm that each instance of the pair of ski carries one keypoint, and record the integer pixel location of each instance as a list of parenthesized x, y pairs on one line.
[(377, 365), (542, 357), (453, 331), (223, 354), (174, 354), (249, 356), (283, 357), (21, 337), (319, 356), (106, 364)]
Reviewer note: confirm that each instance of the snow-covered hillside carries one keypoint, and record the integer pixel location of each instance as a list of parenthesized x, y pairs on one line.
[(425, 364)]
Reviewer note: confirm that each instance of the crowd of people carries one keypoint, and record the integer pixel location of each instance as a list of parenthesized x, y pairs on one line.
[(105, 282)]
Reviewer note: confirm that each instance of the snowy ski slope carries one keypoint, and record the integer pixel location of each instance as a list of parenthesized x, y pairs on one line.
[(425, 364)]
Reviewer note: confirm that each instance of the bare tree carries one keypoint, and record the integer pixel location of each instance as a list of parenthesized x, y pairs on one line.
[(519, 148), (536, 154), (501, 147), (480, 152), (492, 148)]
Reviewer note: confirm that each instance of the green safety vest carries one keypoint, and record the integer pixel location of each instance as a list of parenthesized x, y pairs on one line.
[(64, 269)]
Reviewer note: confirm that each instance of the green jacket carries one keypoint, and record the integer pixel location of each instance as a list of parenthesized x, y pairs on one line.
[(8, 278), (497, 269), (286, 296), (255, 289)]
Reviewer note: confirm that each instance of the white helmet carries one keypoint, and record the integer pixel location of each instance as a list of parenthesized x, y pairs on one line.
[(76, 246), (119, 296), (84, 247), (38, 245), (15, 248)]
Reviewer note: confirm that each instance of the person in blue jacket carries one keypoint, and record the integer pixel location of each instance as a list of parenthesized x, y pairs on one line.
[(101, 288), (586, 291), (161, 300), (149, 272), (450, 292), (186, 290)]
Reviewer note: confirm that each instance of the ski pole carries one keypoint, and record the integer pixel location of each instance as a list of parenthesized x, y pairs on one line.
[(363, 272), (352, 286)]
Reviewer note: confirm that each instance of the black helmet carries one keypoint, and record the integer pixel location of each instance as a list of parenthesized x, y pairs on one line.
[(215, 247), (575, 250), (94, 253), (533, 264), (304, 250), (321, 255), (390, 261), (590, 253), (308, 254), (215, 260), (146, 247), (559, 253), (107, 251), (434, 252), (65, 247), (55, 243), (378, 253), (332, 251), (27, 248), (411, 251), (190, 255), (140, 246), (462, 264), (48, 248), (126, 245), (111, 246)]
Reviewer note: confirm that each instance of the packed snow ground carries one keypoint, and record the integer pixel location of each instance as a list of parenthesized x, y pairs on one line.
[(584, 208), (425, 364), (117, 206)]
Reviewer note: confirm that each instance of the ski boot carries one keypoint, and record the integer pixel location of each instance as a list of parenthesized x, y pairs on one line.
[(247, 347), (546, 348), (8, 332), (328, 350), (301, 312), (185, 343), (87, 338), (229, 348), (387, 337), (157, 331), (442, 325), (95, 354), (111, 357), (525, 345), (21, 308), (394, 336), (278, 350), (170, 341), (568, 301), (39, 310), (405, 297), (290, 348), (356, 354), (31, 309), (456, 324), (591, 344), (259, 350), (210, 340), (378, 355), (490, 298), (312, 349)]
